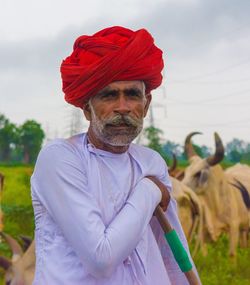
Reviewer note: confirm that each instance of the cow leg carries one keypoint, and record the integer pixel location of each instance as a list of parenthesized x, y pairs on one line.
[(243, 238), (204, 249), (233, 238)]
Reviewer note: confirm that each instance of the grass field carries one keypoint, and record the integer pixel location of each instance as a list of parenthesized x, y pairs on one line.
[(214, 269)]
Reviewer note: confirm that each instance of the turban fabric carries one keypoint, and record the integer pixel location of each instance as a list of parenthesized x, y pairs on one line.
[(112, 54)]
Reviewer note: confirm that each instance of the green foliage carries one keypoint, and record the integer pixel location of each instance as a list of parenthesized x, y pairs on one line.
[(171, 148), (217, 268), (20, 144), (18, 220), (8, 138), (16, 200), (16, 190), (237, 151), (30, 140), (153, 136)]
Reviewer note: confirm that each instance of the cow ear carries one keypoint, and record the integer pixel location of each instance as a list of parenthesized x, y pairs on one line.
[(184, 201), (203, 178), (180, 175), (26, 242), (5, 263)]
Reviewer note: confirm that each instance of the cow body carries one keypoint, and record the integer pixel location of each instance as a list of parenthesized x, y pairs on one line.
[(224, 208), (239, 172), (190, 212)]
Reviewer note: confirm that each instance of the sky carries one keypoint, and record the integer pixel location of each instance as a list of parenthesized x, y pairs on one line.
[(206, 48)]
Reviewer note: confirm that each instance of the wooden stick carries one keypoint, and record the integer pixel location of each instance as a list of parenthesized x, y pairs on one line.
[(165, 225)]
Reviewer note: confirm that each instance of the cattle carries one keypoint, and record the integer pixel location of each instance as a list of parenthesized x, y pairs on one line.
[(1, 181), (239, 176), (190, 213), (223, 204), (1, 188), (241, 173), (20, 269), (174, 171)]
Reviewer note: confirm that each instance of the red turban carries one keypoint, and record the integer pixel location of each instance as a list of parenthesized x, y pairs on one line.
[(113, 54)]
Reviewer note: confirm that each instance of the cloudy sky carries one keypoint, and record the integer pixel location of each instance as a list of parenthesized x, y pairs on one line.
[(206, 45)]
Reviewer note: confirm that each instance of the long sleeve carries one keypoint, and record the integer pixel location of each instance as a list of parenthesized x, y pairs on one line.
[(60, 183), (175, 274)]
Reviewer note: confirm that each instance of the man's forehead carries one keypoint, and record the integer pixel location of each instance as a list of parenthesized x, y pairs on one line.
[(120, 85)]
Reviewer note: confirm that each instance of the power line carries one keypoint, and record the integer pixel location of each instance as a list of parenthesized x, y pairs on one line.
[(230, 123), (211, 99), (213, 104), (217, 82), (213, 126), (204, 75)]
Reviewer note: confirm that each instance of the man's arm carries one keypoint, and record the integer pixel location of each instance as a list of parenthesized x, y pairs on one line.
[(175, 274), (61, 185)]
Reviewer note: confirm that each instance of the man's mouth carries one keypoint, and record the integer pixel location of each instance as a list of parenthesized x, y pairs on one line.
[(122, 125)]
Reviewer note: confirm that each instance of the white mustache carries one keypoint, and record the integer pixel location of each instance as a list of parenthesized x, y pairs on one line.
[(123, 119)]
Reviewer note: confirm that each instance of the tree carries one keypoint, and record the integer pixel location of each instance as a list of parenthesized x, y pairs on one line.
[(246, 155), (8, 138), (31, 137), (171, 147), (153, 136), (235, 149)]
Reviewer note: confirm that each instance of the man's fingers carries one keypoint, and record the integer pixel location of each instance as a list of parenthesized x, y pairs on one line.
[(164, 206), (164, 191)]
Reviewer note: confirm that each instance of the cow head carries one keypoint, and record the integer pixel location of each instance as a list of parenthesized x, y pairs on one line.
[(20, 269), (198, 175)]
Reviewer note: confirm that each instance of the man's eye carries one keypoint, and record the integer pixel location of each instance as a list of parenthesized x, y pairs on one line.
[(109, 95), (134, 94)]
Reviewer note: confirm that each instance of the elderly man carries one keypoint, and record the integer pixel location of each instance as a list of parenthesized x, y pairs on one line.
[(94, 194)]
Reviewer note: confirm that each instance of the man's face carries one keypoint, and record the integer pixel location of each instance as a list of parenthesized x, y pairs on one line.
[(116, 113)]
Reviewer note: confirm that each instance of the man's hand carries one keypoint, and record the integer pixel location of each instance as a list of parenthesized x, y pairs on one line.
[(164, 192)]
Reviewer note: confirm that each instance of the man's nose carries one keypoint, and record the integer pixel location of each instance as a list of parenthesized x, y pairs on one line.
[(122, 105)]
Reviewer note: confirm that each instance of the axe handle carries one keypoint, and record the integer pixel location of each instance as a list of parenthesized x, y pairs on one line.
[(176, 247)]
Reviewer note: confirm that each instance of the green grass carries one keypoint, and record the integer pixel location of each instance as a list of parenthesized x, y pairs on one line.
[(218, 269), (214, 269), (16, 200)]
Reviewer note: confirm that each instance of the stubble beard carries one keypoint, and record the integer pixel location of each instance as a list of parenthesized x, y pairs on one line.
[(106, 131)]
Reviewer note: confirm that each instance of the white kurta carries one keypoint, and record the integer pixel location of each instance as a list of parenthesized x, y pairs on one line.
[(92, 213)]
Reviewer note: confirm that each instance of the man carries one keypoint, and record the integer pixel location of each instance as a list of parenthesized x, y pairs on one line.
[(94, 194)]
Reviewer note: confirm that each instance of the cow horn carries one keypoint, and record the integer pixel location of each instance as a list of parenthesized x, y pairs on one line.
[(26, 241), (5, 263), (14, 245), (219, 151), (189, 150), (173, 166)]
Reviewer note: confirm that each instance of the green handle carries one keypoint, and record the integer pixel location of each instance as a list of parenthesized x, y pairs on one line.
[(179, 251)]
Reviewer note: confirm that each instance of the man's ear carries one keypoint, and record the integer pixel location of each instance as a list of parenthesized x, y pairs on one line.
[(87, 111), (147, 103)]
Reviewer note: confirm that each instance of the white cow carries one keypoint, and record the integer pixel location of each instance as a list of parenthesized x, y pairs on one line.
[(20, 269), (224, 207)]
